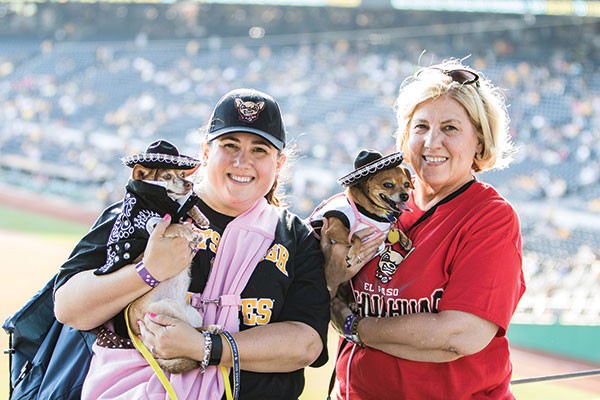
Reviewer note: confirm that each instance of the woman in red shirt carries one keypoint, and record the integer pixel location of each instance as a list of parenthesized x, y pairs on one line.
[(430, 323)]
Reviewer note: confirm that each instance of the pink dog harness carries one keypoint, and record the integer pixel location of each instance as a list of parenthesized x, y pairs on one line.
[(342, 207)]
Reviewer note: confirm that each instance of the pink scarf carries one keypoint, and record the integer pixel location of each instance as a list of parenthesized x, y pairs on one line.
[(242, 246)]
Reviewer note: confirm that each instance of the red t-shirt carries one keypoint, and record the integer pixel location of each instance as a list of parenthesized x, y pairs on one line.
[(467, 257)]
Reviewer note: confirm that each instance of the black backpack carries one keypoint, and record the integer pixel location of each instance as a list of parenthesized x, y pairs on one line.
[(48, 360)]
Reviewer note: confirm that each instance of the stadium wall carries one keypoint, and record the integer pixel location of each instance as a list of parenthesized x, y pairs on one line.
[(573, 341)]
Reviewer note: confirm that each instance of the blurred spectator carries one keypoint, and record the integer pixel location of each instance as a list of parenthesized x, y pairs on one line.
[(82, 85)]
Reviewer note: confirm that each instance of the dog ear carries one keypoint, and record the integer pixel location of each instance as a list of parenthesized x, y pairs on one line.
[(140, 172), (407, 172)]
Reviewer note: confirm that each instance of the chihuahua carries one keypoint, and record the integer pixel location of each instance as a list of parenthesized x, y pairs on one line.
[(170, 296), (176, 184), (381, 197), (375, 195)]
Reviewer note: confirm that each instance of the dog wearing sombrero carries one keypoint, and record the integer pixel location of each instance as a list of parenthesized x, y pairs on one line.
[(375, 196), (158, 186)]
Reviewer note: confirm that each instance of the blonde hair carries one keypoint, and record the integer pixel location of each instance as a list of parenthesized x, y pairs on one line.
[(483, 102)]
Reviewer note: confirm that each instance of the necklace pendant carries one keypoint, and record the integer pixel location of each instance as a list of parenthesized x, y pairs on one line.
[(393, 236)]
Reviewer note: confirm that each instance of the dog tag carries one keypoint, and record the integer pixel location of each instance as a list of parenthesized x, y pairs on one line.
[(393, 236)]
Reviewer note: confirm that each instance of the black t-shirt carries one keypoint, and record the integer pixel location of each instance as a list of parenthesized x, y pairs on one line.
[(287, 285)]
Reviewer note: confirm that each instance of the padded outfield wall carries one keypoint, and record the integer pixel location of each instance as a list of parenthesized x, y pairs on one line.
[(579, 342)]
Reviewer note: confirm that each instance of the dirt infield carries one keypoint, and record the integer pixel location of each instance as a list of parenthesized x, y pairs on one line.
[(29, 261), (528, 363)]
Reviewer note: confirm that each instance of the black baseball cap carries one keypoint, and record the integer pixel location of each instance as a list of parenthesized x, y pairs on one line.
[(250, 111)]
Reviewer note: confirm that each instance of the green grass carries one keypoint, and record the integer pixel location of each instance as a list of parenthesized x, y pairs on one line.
[(27, 222)]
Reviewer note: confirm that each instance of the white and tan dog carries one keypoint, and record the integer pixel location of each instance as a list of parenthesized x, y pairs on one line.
[(170, 296), (375, 196), (161, 166)]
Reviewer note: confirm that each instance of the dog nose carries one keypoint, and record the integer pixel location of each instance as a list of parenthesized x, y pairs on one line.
[(404, 197)]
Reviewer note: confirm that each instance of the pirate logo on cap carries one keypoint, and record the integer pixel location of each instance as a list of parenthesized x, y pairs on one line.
[(248, 110)]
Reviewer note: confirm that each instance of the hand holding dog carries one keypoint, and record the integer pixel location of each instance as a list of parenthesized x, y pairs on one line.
[(170, 337), (340, 266), (339, 312), (165, 257)]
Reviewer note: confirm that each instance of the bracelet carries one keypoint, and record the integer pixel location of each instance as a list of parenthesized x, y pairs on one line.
[(146, 276), (351, 329), (235, 356), (207, 350), (217, 349), (348, 324)]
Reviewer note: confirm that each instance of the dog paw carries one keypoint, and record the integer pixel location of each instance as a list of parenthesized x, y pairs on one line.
[(198, 217)]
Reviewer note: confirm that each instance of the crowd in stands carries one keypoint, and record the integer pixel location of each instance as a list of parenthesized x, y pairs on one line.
[(82, 85)]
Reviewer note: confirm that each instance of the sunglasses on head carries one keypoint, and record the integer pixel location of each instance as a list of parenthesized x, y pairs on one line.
[(462, 76)]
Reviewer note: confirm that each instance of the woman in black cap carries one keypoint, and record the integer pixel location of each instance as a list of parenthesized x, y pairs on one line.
[(258, 274), (432, 324)]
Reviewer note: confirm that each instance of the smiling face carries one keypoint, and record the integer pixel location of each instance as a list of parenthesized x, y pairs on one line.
[(442, 144), (241, 168)]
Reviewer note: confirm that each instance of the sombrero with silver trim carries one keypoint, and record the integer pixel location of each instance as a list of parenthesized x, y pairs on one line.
[(368, 163), (161, 154)]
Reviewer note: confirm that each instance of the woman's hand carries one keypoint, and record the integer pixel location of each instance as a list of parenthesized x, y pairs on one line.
[(339, 312), (170, 337), (165, 257), (340, 266), (275, 347)]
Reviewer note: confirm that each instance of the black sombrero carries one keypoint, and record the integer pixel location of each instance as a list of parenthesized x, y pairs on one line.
[(368, 163), (161, 154)]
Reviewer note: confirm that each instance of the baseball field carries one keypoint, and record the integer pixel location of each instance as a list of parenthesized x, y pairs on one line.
[(36, 236)]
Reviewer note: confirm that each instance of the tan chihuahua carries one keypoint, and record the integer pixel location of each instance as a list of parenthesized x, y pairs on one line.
[(381, 195), (375, 195)]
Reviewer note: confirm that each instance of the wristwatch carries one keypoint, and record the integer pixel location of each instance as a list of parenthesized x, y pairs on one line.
[(351, 329)]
